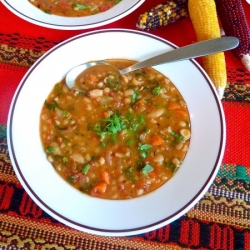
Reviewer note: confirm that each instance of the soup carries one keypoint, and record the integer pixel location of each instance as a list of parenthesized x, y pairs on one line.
[(74, 8), (116, 137)]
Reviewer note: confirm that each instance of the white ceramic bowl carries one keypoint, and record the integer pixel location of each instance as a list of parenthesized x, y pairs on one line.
[(110, 217), (25, 10)]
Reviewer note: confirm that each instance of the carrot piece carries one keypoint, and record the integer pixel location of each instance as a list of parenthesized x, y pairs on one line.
[(181, 112), (105, 177), (174, 105), (106, 114), (100, 187), (93, 79), (140, 106), (157, 140)]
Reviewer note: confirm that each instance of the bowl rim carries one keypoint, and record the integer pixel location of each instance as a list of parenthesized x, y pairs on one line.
[(33, 15)]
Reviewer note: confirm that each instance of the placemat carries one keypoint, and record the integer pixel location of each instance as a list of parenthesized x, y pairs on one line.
[(220, 220)]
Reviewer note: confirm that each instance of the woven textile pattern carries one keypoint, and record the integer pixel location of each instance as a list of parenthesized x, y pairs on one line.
[(220, 220)]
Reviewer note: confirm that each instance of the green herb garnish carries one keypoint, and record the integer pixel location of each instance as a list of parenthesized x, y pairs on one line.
[(130, 142), (171, 166), (147, 169), (157, 90), (140, 74), (51, 150), (111, 125), (65, 159), (51, 106), (64, 114), (134, 96), (71, 179), (86, 168), (129, 173), (144, 149), (178, 136), (113, 81), (82, 6)]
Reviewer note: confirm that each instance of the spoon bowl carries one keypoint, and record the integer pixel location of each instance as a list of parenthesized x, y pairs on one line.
[(195, 50)]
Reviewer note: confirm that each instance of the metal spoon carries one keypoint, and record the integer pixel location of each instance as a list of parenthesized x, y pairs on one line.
[(187, 52)]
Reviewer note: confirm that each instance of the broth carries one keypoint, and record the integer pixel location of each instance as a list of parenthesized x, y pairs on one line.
[(118, 137)]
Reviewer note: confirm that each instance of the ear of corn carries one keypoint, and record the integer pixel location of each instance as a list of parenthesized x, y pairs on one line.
[(168, 12), (205, 22), (234, 23)]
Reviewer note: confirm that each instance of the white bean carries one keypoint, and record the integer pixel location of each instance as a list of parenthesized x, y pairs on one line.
[(140, 191), (182, 124), (128, 92), (158, 158), (156, 113), (185, 133), (96, 93), (125, 78), (176, 162), (77, 157), (101, 160)]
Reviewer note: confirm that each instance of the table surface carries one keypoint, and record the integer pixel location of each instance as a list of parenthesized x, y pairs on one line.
[(220, 220)]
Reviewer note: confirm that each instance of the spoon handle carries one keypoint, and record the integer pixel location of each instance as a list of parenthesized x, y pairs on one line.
[(187, 52)]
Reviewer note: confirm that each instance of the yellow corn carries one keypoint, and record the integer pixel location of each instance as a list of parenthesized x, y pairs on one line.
[(206, 25)]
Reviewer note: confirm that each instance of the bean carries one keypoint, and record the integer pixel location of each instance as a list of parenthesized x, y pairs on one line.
[(158, 158), (106, 90), (127, 100), (176, 162), (156, 113), (179, 146), (182, 124), (78, 158), (128, 92), (101, 160), (96, 93), (125, 78), (185, 133), (137, 82), (140, 191)]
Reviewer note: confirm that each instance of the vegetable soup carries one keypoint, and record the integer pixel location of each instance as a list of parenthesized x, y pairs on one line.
[(74, 8), (116, 137)]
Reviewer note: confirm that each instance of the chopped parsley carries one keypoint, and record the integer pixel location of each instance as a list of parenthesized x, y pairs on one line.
[(114, 124), (65, 159), (178, 136), (129, 173), (71, 179), (134, 96), (171, 166), (51, 106), (113, 81), (82, 6), (144, 149), (140, 74), (147, 169), (86, 168), (51, 149), (111, 125), (157, 90)]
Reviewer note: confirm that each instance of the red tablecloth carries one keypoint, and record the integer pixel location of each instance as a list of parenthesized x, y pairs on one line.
[(220, 220)]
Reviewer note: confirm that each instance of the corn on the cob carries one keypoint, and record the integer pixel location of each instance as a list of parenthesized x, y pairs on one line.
[(168, 12), (234, 23), (206, 25)]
